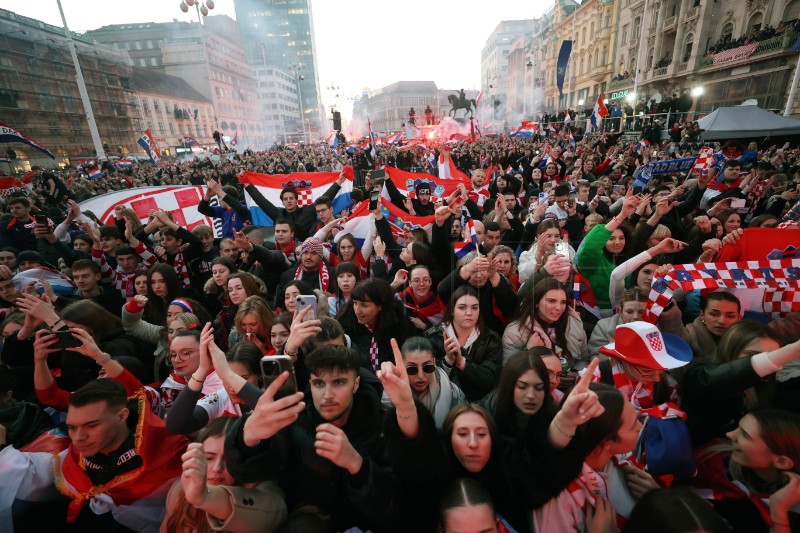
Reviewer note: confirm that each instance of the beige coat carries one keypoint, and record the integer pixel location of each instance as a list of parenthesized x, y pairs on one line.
[(516, 335)]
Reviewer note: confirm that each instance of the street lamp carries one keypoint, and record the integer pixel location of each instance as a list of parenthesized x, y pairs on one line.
[(202, 7), (697, 91), (581, 101), (631, 97)]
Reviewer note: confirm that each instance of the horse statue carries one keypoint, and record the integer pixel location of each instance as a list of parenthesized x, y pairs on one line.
[(459, 102)]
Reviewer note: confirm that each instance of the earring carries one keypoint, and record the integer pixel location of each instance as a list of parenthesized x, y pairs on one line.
[(703, 321)]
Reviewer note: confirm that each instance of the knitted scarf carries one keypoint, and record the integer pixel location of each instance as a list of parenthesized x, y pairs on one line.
[(429, 309), (324, 277)]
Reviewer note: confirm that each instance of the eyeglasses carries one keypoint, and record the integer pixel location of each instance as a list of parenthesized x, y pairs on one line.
[(183, 355), (428, 368), (553, 376), (320, 211)]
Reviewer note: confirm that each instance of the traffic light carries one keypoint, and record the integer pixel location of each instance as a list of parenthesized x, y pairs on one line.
[(337, 121)]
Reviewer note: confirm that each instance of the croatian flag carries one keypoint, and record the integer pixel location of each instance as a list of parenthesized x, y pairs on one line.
[(94, 172), (190, 141), (572, 140), (641, 144), (309, 187), (462, 248), (12, 135), (235, 140), (125, 163), (406, 183), (149, 145), (600, 111), (60, 283), (359, 223), (582, 294), (396, 139)]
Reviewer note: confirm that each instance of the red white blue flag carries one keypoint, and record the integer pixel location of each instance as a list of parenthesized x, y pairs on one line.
[(462, 248), (149, 145), (406, 183), (11, 135), (309, 187), (359, 223)]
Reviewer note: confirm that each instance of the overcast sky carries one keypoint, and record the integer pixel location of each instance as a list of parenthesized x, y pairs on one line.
[(360, 43)]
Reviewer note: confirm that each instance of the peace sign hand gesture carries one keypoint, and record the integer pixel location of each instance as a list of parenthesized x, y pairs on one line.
[(394, 379)]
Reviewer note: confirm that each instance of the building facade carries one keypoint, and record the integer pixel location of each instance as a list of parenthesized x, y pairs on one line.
[(280, 33), (39, 95), (210, 59), (592, 27), (279, 102), (700, 47), (495, 67), (172, 109)]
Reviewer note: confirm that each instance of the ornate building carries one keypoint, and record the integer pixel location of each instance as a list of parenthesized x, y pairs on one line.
[(725, 52), (592, 27)]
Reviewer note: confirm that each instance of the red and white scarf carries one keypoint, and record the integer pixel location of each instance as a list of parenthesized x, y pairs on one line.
[(179, 264), (324, 277), (374, 356)]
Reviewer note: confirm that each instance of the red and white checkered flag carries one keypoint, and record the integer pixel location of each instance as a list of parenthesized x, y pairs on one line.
[(304, 197)]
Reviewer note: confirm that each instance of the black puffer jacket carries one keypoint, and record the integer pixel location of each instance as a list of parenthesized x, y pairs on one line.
[(484, 362), (368, 499), (360, 337)]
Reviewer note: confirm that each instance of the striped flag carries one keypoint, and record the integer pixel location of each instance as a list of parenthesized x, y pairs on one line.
[(582, 294), (462, 248), (360, 221), (94, 172)]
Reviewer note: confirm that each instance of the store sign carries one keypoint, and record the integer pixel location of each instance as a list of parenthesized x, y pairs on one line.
[(619, 94)]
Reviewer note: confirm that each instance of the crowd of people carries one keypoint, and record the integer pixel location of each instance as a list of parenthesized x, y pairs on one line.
[(452, 379), (727, 42)]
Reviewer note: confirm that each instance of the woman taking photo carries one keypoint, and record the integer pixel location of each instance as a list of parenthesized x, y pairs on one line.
[(548, 233), (206, 498), (545, 319), (425, 308), (469, 353), (429, 383)]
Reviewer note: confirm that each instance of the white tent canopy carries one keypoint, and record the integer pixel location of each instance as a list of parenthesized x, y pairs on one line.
[(742, 122)]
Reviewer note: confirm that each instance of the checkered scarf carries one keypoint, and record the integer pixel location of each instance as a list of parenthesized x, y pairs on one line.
[(374, 357), (781, 278), (640, 394), (324, 277)]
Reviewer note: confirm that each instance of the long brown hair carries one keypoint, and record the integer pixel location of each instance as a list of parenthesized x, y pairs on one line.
[(187, 517)]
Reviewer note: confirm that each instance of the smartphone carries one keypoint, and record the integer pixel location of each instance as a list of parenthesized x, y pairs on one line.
[(377, 174), (737, 203), (304, 301), (273, 366), (65, 340), (533, 205), (41, 219), (543, 197), (562, 249), (374, 198)]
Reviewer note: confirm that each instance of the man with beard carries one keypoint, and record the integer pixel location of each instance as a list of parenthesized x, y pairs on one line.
[(311, 269)]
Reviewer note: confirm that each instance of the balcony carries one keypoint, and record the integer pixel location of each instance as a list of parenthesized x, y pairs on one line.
[(682, 67), (670, 24), (619, 84), (692, 14), (780, 43), (658, 72)]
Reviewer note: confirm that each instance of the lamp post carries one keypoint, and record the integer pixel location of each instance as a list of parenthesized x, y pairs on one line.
[(202, 7), (298, 78), (87, 104)]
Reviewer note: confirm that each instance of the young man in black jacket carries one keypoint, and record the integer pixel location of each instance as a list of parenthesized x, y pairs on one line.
[(328, 449)]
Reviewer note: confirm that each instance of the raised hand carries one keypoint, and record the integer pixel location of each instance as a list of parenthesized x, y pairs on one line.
[(88, 346), (140, 300), (300, 330), (394, 378), (193, 477), (581, 404), (241, 241), (379, 247), (401, 278), (270, 415), (43, 345)]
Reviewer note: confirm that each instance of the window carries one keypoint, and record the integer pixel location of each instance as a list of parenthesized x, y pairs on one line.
[(727, 31), (625, 34), (153, 62), (792, 10), (138, 45), (687, 47), (149, 44), (756, 21), (142, 62)]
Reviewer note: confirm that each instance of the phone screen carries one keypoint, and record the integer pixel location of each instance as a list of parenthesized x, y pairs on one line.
[(377, 174), (374, 197)]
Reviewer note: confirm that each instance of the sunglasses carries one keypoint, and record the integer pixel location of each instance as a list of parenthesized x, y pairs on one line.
[(428, 368)]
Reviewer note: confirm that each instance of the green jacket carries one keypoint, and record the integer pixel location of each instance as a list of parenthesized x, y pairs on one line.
[(595, 266)]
